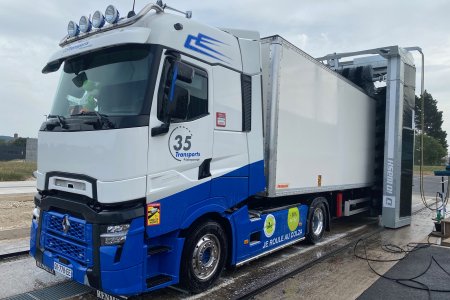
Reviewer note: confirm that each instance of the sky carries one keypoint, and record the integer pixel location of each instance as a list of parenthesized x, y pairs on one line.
[(30, 32)]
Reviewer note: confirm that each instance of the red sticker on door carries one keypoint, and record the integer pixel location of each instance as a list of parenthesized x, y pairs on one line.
[(221, 119)]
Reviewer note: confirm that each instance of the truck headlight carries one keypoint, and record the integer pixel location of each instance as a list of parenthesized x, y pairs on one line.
[(115, 235)]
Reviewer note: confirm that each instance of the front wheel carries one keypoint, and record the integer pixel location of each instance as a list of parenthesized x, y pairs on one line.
[(204, 256), (316, 222)]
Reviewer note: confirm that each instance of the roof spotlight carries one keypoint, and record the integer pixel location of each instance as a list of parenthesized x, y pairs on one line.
[(85, 24), (111, 14), (98, 20), (73, 29)]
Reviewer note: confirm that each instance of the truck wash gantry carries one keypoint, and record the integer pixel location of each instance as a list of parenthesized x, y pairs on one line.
[(395, 67)]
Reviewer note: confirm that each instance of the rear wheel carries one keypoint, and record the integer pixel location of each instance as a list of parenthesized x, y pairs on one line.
[(316, 222), (204, 256)]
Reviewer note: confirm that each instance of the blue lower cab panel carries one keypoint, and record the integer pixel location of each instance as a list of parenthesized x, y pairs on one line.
[(257, 235), (122, 266), (127, 255), (33, 234), (125, 282), (179, 210)]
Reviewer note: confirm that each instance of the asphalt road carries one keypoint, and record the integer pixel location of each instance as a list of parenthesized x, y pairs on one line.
[(17, 187), (431, 184)]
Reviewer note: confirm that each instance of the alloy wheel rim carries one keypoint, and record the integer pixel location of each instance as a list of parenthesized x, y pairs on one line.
[(205, 258)]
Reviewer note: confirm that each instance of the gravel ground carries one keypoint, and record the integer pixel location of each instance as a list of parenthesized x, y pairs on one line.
[(15, 212)]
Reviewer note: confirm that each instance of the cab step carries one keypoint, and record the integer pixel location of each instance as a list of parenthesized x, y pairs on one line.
[(158, 280)]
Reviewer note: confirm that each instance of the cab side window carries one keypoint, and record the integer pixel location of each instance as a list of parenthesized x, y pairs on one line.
[(195, 91)]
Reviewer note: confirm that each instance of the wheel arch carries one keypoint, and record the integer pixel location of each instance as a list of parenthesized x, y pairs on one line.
[(219, 218), (316, 201)]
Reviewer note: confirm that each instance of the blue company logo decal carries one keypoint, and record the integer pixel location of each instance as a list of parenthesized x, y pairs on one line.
[(204, 44), (77, 46), (181, 143)]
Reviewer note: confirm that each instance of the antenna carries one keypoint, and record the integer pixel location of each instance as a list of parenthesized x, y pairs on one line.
[(132, 13)]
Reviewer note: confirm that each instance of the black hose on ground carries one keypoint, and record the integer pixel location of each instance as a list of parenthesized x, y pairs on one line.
[(410, 247)]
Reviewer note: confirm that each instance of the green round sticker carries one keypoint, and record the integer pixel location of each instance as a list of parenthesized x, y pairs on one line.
[(269, 225), (293, 218)]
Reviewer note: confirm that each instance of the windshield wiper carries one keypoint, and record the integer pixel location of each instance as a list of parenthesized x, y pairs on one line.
[(101, 118), (61, 120)]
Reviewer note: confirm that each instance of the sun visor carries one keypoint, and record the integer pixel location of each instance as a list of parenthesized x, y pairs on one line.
[(133, 35)]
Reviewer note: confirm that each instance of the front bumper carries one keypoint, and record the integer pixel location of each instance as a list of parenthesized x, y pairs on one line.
[(117, 269)]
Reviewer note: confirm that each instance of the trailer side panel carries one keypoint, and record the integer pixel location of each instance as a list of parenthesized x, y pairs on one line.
[(324, 132)]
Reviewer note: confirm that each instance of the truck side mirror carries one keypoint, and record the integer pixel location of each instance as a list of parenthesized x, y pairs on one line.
[(174, 101), (185, 73), (179, 71), (178, 105), (178, 99)]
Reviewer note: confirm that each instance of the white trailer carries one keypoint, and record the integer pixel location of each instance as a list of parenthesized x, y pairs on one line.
[(319, 127)]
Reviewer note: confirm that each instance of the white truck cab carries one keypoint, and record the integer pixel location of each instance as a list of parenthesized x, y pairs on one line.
[(127, 151)]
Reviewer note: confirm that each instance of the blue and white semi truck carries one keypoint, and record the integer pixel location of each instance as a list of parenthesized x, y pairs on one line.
[(174, 150)]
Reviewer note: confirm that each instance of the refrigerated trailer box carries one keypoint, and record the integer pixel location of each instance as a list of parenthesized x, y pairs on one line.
[(319, 127)]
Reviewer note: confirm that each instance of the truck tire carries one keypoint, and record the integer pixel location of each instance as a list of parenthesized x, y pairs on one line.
[(204, 256), (317, 221)]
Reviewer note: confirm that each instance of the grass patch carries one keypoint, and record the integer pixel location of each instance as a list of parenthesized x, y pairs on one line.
[(428, 170), (16, 170)]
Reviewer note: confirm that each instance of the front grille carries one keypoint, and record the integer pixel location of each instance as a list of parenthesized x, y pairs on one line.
[(68, 249), (77, 230), (73, 243)]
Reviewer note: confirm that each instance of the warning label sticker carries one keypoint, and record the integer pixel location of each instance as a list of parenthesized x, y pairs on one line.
[(153, 214), (221, 119)]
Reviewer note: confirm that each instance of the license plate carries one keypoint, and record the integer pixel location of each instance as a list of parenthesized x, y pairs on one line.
[(44, 267), (104, 296), (63, 270)]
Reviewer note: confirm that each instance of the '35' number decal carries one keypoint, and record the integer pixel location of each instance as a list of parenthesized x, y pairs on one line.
[(179, 143)]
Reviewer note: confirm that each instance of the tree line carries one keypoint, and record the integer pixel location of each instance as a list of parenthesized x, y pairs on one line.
[(20, 142), (435, 147)]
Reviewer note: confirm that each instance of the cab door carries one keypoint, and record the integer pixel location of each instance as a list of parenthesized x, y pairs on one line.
[(179, 158)]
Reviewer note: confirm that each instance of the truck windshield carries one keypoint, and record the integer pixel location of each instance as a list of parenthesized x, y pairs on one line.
[(111, 82)]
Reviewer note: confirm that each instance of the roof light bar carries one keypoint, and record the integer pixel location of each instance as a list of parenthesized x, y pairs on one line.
[(98, 20), (85, 24), (73, 29), (112, 14)]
